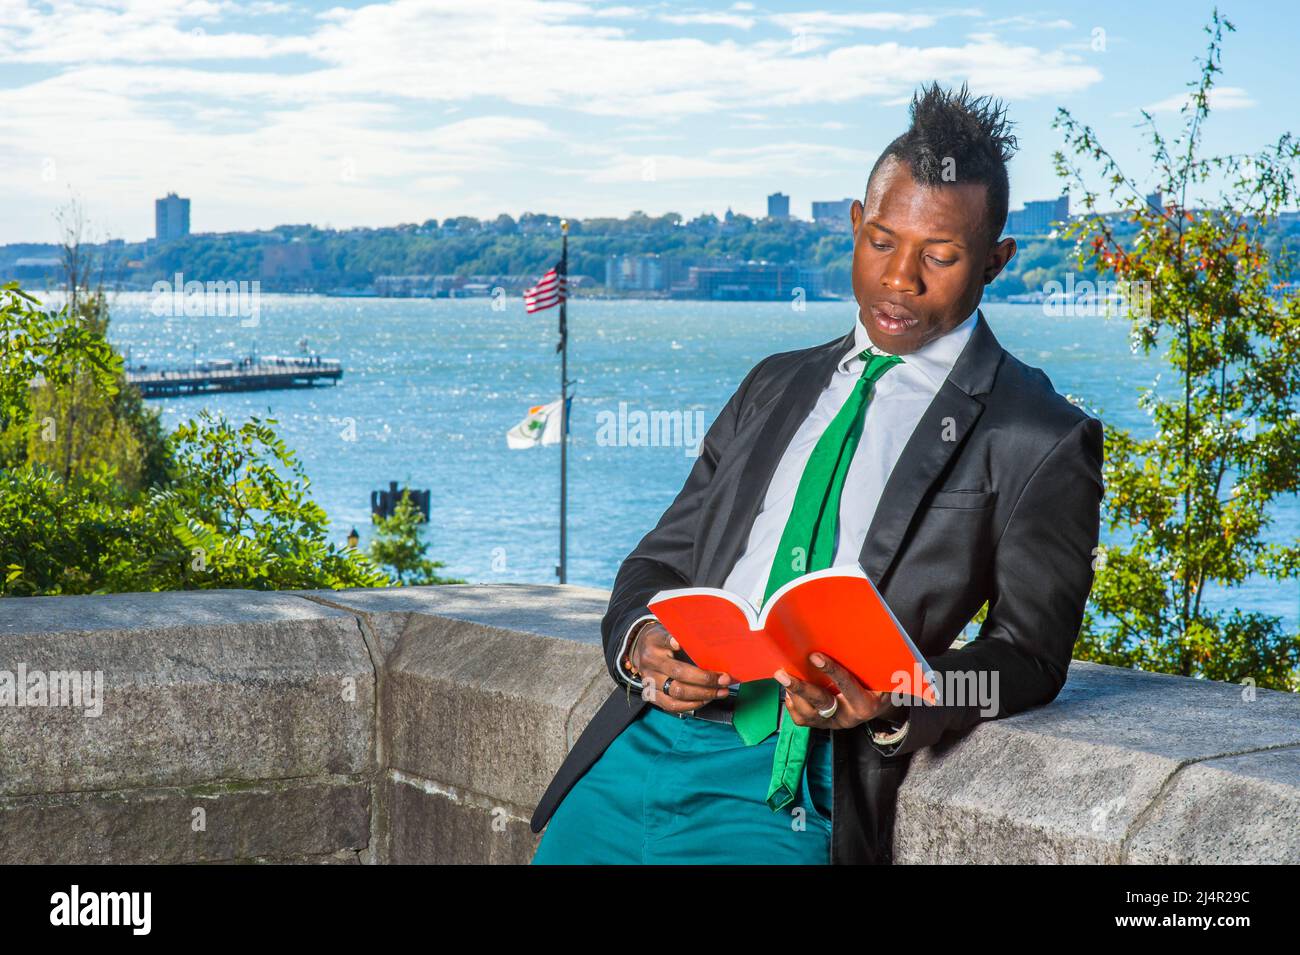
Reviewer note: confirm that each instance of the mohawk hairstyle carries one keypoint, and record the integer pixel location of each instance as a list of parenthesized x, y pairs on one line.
[(973, 133)]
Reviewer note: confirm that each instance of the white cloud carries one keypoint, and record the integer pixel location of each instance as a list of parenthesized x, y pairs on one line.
[(522, 52), (156, 94), (1031, 23), (771, 161), (823, 22), (1221, 98), (710, 19)]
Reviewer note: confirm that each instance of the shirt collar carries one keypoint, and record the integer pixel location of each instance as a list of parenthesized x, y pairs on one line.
[(934, 360)]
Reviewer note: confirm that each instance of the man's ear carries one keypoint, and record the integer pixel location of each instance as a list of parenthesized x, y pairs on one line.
[(999, 256), (855, 214)]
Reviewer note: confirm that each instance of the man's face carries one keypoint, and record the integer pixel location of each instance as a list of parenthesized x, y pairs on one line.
[(921, 257)]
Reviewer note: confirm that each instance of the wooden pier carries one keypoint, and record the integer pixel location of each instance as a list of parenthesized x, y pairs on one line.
[(261, 375)]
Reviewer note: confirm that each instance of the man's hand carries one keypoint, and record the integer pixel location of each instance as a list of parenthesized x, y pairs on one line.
[(653, 657), (857, 704)]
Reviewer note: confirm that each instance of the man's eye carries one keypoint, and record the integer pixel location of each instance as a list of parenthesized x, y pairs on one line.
[(877, 245), (943, 262)]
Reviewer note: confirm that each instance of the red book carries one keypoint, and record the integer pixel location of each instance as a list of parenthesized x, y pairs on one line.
[(837, 612)]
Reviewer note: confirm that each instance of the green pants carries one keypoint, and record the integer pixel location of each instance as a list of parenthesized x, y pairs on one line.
[(673, 791)]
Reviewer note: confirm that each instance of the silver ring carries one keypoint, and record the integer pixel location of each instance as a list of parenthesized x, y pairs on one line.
[(830, 713), (664, 689)]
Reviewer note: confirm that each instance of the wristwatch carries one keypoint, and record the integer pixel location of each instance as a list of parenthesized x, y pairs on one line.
[(887, 730)]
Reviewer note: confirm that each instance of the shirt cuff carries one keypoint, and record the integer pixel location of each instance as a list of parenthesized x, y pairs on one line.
[(622, 651)]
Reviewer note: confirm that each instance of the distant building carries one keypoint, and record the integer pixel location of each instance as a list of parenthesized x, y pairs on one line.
[(418, 286), (171, 217), (750, 281), (457, 286), (1153, 201), (833, 214), (533, 223), (639, 273), (778, 206), (37, 267), (1039, 216)]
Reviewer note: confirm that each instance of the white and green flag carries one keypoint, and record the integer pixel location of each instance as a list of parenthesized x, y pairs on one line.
[(541, 426)]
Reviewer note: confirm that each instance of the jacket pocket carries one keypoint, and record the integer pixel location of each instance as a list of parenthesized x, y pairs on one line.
[(963, 498)]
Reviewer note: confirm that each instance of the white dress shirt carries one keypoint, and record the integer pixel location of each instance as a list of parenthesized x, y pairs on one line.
[(898, 400)]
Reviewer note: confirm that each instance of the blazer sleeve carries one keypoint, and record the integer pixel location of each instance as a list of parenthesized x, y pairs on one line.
[(663, 558), (1042, 573)]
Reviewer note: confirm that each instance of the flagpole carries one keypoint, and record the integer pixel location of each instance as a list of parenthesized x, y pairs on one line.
[(564, 395)]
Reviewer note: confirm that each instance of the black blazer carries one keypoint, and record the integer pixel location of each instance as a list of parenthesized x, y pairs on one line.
[(996, 497)]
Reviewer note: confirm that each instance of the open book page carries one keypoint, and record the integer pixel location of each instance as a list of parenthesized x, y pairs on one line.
[(836, 611), (718, 631)]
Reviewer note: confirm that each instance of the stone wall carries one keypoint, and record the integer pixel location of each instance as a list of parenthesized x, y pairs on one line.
[(422, 724)]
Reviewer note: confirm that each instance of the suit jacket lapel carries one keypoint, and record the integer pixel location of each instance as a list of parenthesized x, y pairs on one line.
[(787, 412), (938, 435), (923, 459)]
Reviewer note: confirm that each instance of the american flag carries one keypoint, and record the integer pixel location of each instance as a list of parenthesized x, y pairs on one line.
[(549, 291)]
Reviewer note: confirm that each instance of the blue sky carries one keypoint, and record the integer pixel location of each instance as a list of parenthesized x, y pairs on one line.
[(345, 114)]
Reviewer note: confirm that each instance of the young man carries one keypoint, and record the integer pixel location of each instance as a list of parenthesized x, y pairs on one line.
[(951, 471)]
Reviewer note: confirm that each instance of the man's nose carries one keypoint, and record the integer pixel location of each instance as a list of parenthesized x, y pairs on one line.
[(902, 275)]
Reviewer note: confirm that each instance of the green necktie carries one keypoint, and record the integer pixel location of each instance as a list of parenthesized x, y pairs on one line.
[(807, 544)]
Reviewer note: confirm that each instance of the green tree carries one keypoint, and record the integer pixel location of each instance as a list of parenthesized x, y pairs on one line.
[(397, 544), (1192, 499), (40, 349), (90, 416), (240, 507), (74, 409), (231, 510)]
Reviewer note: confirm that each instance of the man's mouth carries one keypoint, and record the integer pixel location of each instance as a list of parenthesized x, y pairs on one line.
[(892, 321)]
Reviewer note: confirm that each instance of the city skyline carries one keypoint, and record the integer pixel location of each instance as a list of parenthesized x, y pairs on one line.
[(343, 115), (172, 216)]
